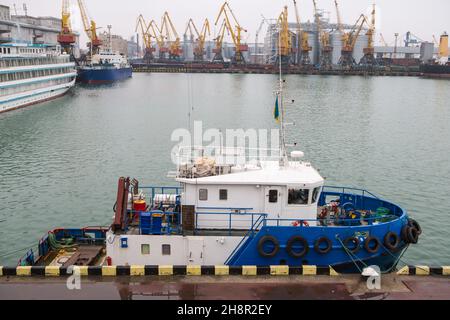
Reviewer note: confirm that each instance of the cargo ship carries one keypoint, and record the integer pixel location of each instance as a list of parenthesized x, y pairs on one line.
[(441, 67), (33, 73), (105, 67), (238, 207), (436, 70)]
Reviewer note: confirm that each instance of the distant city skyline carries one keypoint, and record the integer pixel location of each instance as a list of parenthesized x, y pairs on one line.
[(423, 18)]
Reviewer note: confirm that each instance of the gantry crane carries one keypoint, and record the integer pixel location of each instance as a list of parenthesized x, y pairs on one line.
[(155, 32), (326, 50), (146, 39), (368, 60), (168, 29), (66, 38), (218, 55), (199, 49), (305, 48), (235, 32), (90, 27), (284, 39)]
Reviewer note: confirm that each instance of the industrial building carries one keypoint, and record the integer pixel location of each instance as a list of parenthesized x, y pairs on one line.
[(29, 29)]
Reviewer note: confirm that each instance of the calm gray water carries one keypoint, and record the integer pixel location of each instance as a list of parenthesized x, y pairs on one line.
[(59, 161)]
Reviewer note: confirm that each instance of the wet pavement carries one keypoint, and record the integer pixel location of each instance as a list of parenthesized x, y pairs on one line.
[(227, 288)]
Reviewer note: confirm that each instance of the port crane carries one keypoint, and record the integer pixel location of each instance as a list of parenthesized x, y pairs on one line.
[(218, 56), (146, 39), (199, 49), (235, 32), (90, 27), (326, 50), (66, 38), (155, 32), (168, 29), (305, 48), (285, 44), (347, 61), (368, 60)]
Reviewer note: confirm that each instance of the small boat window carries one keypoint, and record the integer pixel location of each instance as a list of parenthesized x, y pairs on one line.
[(315, 194), (166, 249), (145, 248), (298, 196), (203, 194), (273, 196), (223, 194)]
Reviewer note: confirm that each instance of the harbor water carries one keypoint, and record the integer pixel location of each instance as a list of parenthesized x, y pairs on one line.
[(60, 160)]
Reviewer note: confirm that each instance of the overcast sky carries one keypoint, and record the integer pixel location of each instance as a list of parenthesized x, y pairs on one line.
[(422, 18)]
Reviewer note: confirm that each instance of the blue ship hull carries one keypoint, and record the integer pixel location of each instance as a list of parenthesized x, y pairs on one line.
[(342, 260), (103, 75)]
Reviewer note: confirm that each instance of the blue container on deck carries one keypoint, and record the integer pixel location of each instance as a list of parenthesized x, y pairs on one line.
[(151, 222)]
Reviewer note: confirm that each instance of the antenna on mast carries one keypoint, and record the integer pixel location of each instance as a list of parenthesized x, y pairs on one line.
[(283, 152)]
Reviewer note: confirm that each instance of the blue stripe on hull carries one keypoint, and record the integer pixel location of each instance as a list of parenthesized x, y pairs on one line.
[(92, 76)]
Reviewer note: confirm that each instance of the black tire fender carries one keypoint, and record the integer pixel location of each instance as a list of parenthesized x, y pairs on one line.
[(355, 241), (388, 241), (319, 242), (292, 240), (414, 224), (367, 243), (413, 235), (404, 233), (263, 241)]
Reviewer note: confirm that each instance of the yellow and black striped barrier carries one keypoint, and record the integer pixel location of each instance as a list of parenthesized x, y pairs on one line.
[(168, 270), (191, 270), (424, 271)]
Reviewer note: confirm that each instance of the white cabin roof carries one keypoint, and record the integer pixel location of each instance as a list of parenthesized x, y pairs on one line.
[(269, 173)]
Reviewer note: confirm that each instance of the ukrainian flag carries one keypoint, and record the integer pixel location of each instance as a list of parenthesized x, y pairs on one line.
[(276, 111)]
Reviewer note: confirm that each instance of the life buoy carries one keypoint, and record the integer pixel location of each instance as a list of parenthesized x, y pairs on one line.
[(413, 235), (290, 250), (414, 224), (317, 245), (369, 241), (268, 239), (356, 244), (299, 223), (391, 241)]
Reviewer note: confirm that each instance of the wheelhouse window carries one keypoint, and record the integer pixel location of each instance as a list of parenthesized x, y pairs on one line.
[(223, 194), (298, 196), (273, 196), (203, 194), (315, 194)]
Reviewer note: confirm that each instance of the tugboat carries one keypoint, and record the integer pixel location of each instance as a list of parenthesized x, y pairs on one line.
[(105, 66), (265, 211)]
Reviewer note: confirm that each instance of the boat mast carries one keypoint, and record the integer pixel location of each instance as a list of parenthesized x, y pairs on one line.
[(109, 38), (283, 152)]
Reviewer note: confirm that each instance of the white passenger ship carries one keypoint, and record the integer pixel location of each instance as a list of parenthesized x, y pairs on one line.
[(30, 74)]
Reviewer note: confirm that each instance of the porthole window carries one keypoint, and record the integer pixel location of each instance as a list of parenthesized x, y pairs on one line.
[(223, 194), (145, 248), (203, 194), (166, 249)]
